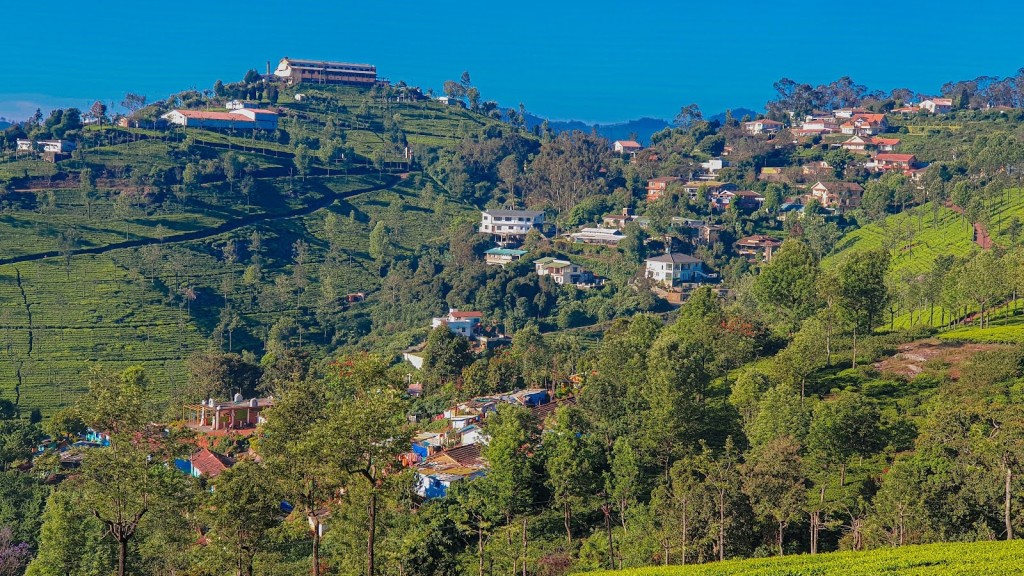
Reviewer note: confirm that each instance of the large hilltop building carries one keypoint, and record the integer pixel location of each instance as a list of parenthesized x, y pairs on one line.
[(295, 71)]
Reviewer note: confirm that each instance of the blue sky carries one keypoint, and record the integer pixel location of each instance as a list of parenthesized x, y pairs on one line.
[(594, 61)]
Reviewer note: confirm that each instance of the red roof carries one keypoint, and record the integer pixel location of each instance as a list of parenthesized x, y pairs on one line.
[(885, 141), (766, 121), (210, 464), (460, 314), (759, 241), (628, 143), (870, 117), (895, 157), (203, 115)]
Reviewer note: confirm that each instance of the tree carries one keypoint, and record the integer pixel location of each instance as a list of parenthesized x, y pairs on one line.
[(772, 479), (303, 160), (87, 187), (122, 483), (369, 422), (134, 102), (787, 285), (242, 510), (69, 539), (445, 355), (844, 425), (688, 116), (301, 454), (454, 90), (570, 462), (474, 98), (98, 111), (861, 293), (381, 248)]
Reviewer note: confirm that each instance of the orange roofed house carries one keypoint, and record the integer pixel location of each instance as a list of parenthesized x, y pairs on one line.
[(838, 195), (626, 146), (658, 187), (903, 162)]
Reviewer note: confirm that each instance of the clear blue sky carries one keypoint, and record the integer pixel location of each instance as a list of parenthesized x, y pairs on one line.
[(594, 61)]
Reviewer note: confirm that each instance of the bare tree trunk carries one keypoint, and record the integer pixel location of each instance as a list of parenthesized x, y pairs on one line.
[(567, 517), (1006, 504), (373, 532), (122, 556), (316, 546), (524, 546)]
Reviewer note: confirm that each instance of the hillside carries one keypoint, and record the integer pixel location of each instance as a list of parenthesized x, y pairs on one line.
[(976, 559), (143, 269)]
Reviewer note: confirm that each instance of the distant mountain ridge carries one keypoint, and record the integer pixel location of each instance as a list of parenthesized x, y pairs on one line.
[(642, 128)]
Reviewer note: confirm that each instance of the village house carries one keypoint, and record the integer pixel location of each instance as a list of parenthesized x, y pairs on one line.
[(674, 268), (619, 221), (903, 162), (137, 122), (294, 71), (205, 464), (708, 234), (238, 415), (510, 225), (502, 256), (563, 271), (865, 125), (746, 200), (626, 147), (599, 236), (905, 110), (714, 165), (242, 119), (822, 124), (448, 101), (758, 246), (868, 143), (762, 126), (436, 475), (241, 104), (937, 105), (52, 146), (848, 112), (658, 187), (462, 323), (837, 195), (711, 187)]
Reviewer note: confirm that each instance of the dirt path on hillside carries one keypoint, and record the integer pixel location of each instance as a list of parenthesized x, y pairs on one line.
[(981, 236), (318, 204)]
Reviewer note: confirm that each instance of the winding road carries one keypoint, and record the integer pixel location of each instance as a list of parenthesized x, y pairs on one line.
[(318, 204)]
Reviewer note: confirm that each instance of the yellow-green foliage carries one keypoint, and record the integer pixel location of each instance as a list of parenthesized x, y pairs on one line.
[(976, 559), (913, 238)]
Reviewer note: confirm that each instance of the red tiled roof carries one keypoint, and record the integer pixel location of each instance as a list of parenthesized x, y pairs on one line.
[(758, 241), (628, 143), (204, 115), (468, 455), (895, 157), (870, 117), (210, 464), (885, 141), (460, 314)]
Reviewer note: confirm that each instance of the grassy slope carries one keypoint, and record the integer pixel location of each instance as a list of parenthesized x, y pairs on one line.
[(103, 311), (980, 559)]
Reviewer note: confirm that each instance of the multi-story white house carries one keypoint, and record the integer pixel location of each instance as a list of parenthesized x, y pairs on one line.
[(509, 225), (673, 268), (461, 323), (937, 105), (763, 126)]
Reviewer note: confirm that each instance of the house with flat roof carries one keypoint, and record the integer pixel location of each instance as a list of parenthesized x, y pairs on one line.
[(509, 226), (601, 236), (296, 71), (675, 268), (563, 271), (503, 256)]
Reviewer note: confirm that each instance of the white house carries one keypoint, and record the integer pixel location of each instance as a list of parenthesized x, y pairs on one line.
[(509, 225), (670, 269), (763, 126), (937, 105), (240, 104), (451, 101), (55, 146), (25, 145), (626, 146), (461, 323)]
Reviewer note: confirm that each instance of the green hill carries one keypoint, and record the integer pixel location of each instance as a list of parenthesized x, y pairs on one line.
[(976, 559), (147, 268)]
